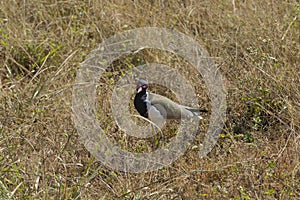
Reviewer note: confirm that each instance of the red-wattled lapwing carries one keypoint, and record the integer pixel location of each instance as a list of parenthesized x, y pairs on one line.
[(157, 108)]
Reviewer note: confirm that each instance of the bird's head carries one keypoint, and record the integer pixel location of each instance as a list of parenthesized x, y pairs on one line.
[(142, 85)]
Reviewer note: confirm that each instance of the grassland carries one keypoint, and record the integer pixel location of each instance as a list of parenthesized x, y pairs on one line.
[(254, 43)]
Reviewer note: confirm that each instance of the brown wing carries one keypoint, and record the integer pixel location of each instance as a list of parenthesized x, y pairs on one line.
[(168, 108)]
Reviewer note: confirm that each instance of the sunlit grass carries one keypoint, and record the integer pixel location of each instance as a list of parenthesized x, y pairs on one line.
[(255, 45)]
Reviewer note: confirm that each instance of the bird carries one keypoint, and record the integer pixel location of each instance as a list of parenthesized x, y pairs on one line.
[(158, 108)]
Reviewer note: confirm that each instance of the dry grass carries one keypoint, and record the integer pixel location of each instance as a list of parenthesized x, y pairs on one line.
[(256, 45)]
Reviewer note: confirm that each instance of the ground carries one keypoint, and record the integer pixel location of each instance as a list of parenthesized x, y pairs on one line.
[(255, 44)]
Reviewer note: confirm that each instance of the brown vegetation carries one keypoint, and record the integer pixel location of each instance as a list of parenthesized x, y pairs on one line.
[(256, 45)]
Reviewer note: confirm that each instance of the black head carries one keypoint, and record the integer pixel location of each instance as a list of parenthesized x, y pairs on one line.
[(142, 85)]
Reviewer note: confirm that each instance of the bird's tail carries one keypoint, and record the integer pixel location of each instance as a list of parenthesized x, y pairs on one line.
[(196, 110)]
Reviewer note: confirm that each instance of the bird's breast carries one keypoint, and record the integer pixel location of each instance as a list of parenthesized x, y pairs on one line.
[(140, 104)]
